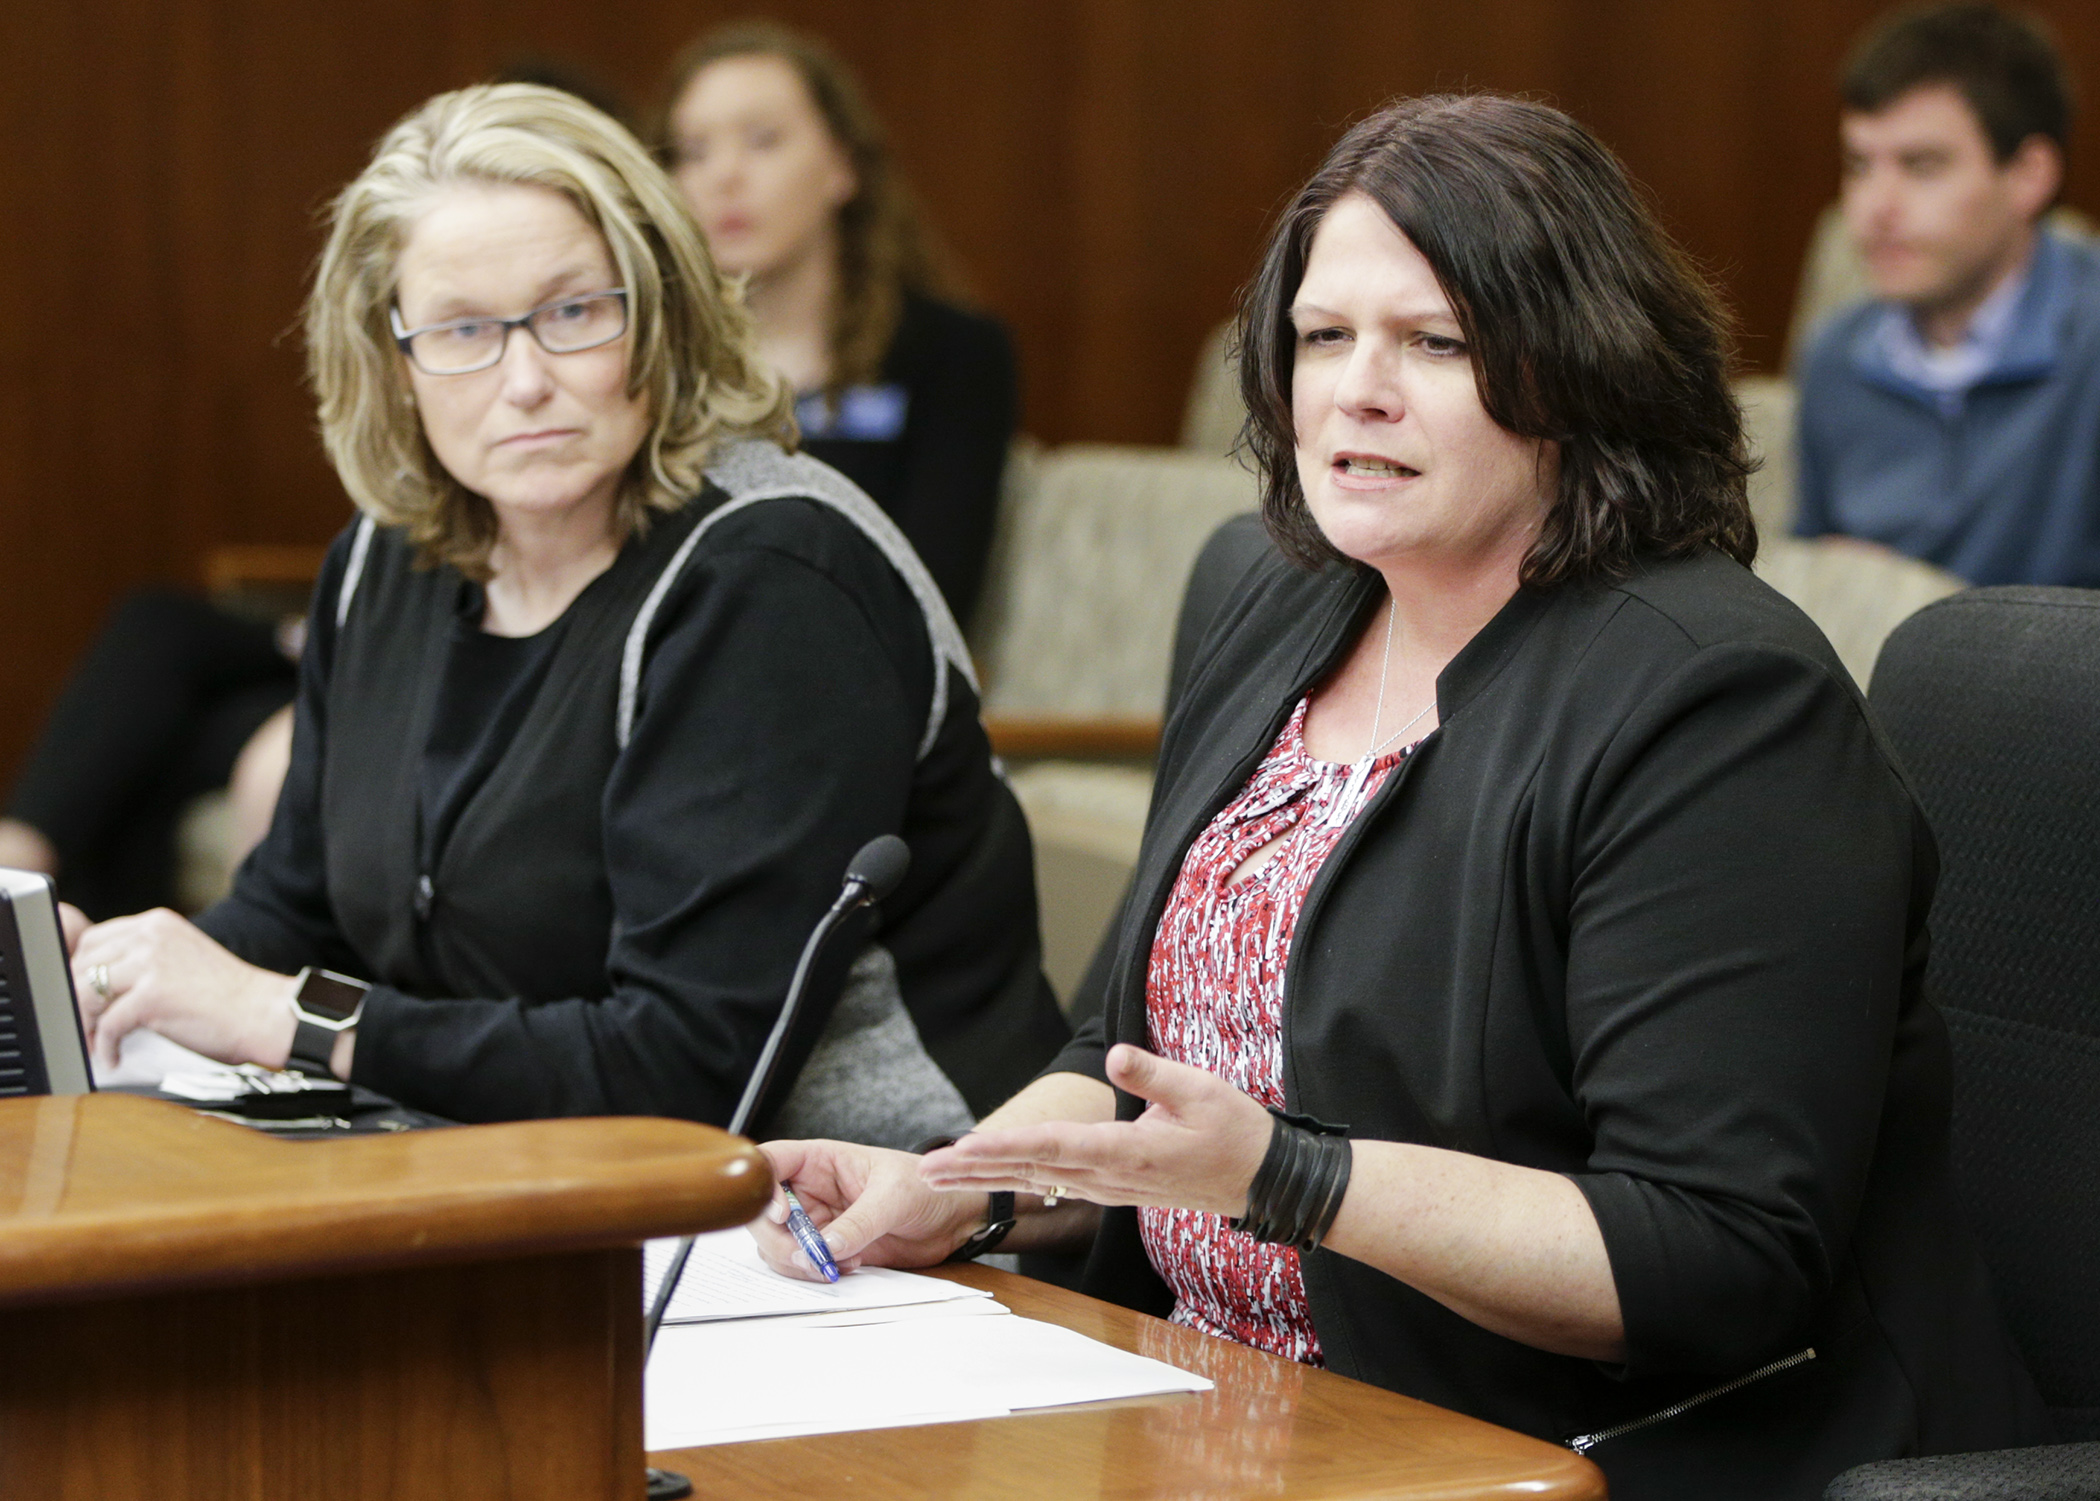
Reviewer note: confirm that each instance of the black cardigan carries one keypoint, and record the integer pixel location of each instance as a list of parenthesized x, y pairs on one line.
[(938, 476), (1648, 910), (610, 930)]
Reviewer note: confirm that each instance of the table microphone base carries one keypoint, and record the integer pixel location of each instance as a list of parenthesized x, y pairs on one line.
[(667, 1485)]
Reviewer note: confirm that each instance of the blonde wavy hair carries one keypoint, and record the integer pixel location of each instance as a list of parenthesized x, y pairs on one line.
[(886, 247), (691, 354)]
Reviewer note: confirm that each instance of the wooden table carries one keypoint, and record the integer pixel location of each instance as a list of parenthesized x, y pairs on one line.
[(1272, 1428), (194, 1312)]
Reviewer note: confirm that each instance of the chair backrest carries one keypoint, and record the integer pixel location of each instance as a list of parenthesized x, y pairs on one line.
[(1992, 701), (1770, 404), (1210, 423), (1093, 545), (1855, 592)]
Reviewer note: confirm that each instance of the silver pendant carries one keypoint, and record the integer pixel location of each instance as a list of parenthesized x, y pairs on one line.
[(1343, 807)]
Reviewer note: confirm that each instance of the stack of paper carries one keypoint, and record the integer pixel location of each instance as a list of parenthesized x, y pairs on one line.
[(726, 1279), (880, 1349), (145, 1058)]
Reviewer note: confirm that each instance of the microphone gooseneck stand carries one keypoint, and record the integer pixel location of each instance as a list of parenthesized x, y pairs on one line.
[(874, 872)]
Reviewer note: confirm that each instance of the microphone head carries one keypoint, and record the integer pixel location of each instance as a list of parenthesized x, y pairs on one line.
[(879, 867)]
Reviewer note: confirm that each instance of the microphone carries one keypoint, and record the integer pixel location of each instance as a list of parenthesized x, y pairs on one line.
[(875, 871)]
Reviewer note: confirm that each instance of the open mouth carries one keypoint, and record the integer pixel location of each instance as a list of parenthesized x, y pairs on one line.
[(1361, 468)]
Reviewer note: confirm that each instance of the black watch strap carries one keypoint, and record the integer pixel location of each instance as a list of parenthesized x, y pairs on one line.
[(999, 1223), (999, 1216), (313, 1048)]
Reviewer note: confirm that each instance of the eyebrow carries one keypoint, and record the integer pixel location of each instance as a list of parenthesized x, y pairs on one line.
[(1416, 315), (446, 309)]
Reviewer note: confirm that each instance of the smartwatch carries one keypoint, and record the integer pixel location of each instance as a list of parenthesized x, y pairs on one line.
[(326, 1005)]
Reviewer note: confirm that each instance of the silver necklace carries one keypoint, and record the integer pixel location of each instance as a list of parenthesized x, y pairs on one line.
[(1360, 772)]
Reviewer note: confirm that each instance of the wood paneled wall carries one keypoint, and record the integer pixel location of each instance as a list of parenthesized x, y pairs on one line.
[(1105, 168)]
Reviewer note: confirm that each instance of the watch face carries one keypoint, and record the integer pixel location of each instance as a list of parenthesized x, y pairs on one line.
[(330, 996)]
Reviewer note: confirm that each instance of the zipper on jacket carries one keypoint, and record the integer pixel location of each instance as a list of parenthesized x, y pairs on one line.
[(1584, 1442)]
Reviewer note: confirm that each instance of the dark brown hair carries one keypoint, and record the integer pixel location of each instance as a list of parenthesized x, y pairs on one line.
[(1587, 327), (885, 247), (2003, 62)]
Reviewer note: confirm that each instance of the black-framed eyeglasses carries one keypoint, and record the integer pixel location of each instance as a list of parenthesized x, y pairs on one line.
[(461, 346)]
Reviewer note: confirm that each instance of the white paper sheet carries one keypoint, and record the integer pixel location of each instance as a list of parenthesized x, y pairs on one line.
[(725, 1279), (731, 1381), (144, 1058)]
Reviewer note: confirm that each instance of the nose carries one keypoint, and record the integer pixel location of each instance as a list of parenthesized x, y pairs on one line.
[(1868, 198), (722, 171), (528, 378), (1369, 387)]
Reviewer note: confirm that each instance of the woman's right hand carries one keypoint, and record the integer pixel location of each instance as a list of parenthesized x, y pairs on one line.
[(870, 1205)]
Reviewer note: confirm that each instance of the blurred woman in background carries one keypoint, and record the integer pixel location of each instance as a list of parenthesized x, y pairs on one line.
[(601, 694), (908, 394)]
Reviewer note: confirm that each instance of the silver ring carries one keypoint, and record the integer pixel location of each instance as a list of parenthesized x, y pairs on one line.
[(99, 978)]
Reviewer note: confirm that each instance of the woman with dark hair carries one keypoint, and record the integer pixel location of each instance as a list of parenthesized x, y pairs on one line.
[(908, 394), (1517, 1000)]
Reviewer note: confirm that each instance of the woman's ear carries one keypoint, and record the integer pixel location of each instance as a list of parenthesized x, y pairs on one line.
[(842, 184)]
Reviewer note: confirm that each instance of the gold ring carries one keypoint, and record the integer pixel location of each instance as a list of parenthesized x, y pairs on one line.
[(99, 978), (1051, 1195)]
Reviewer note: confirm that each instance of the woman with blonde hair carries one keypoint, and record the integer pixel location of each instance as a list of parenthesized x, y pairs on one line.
[(603, 690), (913, 397)]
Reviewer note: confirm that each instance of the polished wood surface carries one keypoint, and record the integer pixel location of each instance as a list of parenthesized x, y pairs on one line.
[(1020, 737), (234, 566), (109, 1191), (192, 1311), (1105, 170), (510, 1380), (1272, 1428)]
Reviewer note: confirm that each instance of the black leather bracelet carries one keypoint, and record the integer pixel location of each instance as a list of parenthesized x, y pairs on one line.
[(1298, 1189)]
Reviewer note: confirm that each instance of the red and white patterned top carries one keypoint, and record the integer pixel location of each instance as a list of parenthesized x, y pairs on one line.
[(1214, 1000)]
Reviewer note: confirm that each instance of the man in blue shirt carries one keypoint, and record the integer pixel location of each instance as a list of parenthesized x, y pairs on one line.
[(1956, 415)]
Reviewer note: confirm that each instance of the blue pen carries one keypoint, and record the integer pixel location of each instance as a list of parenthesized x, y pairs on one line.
[(805, 1233)]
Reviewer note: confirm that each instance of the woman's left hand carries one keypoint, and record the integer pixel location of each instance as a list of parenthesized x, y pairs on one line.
[(1196, 1146), (159, 970)]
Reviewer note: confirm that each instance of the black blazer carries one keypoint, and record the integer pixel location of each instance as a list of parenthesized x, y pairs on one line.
[(1648, 910)]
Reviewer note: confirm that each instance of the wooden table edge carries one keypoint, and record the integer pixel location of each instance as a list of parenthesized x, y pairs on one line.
[(675, 1177), (1559, 1474)]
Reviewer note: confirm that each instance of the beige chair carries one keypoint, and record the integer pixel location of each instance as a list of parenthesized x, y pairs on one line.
[(1855, 592), (1086, 820), (1093, 546), (1768, 421), (1211, 422), (1073, 642)]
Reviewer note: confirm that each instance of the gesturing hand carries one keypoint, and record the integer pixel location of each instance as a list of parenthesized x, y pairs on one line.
[(159, 970), (1196, 1146)]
